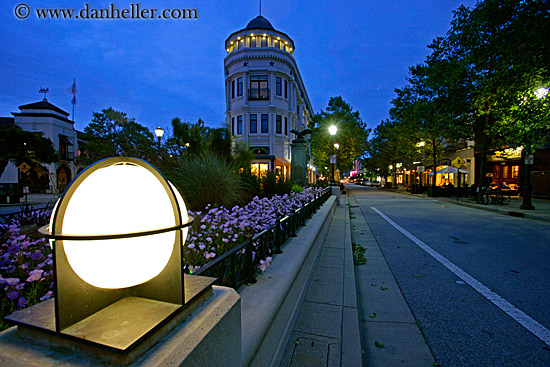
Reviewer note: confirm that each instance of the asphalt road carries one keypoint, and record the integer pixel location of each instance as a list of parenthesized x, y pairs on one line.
[(509, 256)]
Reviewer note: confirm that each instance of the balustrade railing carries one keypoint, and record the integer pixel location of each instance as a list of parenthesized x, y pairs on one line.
[(240, 265)]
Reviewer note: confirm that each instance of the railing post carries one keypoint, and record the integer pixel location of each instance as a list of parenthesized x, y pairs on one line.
[(249, 270), (293, 224), (278, 236)]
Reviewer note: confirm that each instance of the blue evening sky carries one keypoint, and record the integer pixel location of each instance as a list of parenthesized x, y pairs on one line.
[(155, 70)]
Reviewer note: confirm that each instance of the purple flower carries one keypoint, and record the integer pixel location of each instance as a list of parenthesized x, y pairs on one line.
[(22, 302), (46, 296), (13, 295), (36, 256), (12, 281), (13, 249)]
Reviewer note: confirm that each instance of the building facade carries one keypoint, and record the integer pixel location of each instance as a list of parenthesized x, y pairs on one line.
[(265, 95), (50, 122)]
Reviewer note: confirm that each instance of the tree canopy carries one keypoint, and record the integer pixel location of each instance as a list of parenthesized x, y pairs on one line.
[(18, 145), (352, 134), (112, 133), (483, 81)]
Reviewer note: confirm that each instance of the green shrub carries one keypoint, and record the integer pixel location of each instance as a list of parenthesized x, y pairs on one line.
[(297, 188), (275, 185), (207, 179)]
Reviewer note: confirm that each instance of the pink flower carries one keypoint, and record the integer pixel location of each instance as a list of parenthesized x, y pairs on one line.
[(35, 275)]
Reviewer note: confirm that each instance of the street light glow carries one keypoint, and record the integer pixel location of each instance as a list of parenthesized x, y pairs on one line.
[(541, 92), (332, 130), (159, 132), (336, 145)]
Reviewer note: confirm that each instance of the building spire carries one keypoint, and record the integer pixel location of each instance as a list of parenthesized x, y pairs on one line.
[(260, 7)]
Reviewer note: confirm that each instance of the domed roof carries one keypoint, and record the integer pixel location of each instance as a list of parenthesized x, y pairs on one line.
[(259, 23)]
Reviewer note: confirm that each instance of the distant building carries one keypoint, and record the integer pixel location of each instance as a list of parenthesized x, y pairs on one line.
[(51, 122), (265, 95)]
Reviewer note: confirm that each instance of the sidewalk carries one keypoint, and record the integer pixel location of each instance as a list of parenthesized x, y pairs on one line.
[(326, 332)]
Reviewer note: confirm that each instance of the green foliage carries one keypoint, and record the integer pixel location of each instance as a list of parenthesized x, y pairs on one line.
[(358, 254), (112, 133), (477, 84), (297, 189), (18, 145), (195, 138), (207, 179), (275, 185), (352, 135)]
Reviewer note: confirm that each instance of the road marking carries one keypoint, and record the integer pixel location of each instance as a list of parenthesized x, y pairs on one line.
[(521, 317)]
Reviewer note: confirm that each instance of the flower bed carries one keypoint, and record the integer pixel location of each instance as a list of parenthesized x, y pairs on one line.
[(26, 264)]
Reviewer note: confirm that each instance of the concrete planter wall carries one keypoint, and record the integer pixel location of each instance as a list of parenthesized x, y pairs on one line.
[(270, 307)]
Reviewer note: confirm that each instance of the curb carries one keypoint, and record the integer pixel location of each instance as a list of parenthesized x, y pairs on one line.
[(351, 334), (390, 335), (269, 307)]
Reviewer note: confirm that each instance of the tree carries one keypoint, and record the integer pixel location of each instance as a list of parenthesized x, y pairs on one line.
[(499, 43), (18, 145), (112, 133), (352, 134)]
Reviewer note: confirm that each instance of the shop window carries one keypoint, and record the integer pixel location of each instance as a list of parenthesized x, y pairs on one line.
[(265, 123), (259, 169), (515, 171), (239, 87), (253, 124), (278, 124), (496, 171), (239, 124), (506, 172), (258, 87), (278, 86)]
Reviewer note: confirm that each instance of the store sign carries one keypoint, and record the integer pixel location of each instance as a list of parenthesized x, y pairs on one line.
[(333, 159), (420, 169), (529, 159)]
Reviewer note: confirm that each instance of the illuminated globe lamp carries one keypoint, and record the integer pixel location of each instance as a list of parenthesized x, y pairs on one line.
[(117, 235)]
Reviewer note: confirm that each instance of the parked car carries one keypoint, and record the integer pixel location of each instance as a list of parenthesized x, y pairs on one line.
[(375, 183)]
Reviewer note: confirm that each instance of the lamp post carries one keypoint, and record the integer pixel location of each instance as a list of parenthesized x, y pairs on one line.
[(332, 131), (159, 132), (527, 203)]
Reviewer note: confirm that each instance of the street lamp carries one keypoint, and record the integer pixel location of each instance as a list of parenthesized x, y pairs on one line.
[(159, 132), (117, 253), (527, 203), (332, 131)]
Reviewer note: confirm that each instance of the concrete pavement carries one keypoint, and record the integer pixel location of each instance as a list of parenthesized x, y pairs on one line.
[(326, 332), (389, 333)]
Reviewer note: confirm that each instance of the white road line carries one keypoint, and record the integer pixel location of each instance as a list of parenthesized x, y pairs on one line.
[(521, 317)]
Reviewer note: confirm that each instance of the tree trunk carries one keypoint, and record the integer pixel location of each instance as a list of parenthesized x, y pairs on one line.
[(483, 156)]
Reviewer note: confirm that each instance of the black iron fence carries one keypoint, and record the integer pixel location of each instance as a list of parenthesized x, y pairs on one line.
[(240, 265)]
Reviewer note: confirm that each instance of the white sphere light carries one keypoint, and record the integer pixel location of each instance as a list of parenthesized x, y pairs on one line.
[(120, 199)]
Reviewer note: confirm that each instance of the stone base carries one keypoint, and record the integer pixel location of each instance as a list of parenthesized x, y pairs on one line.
[(210, 335)]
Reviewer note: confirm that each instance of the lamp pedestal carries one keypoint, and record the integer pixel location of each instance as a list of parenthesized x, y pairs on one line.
[(193, 336)]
